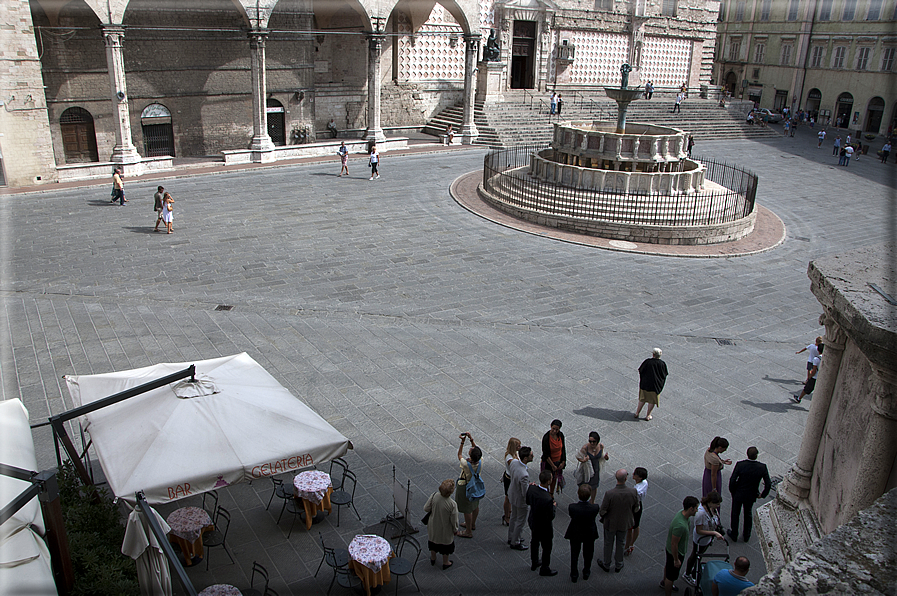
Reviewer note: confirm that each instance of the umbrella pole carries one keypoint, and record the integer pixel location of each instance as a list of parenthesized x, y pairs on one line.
[(173, 559)]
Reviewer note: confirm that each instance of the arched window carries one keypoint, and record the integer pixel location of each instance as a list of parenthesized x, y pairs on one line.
[(874, 113), (158, 135), (276, 122), (79, 139)]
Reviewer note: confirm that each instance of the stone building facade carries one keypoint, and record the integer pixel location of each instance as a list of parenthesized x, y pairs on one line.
[(837, 59), (126, 81)]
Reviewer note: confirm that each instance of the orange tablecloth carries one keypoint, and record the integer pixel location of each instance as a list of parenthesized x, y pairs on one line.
[(313, 488), (312, 508), (188, 524), (368, 553), (369, 578)]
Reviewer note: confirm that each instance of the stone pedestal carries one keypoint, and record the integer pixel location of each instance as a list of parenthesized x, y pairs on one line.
[(848, 455), (623, 97), (490, 81)]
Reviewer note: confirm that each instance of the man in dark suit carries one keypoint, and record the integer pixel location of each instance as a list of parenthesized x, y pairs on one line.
[(582, 532), (541, 514), (744, 484), (618, 515)]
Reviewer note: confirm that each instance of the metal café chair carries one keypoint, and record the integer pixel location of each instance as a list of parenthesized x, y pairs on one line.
[(213, 506), (218, 537), (281, 491), (407, 555), (260, 570), (341, 468), (334, 557), (345, 496)]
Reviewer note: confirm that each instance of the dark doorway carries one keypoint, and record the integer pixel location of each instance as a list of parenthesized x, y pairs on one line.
[(781, 100), (731, 83), (843, 109), (79, 140), (276, 123), (158, 135), (874, 114), (523, 55), (814, 98)]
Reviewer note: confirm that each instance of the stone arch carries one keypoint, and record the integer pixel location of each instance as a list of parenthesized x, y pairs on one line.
[(875, 111)]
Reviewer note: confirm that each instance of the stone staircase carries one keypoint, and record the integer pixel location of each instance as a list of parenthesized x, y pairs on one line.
[(520, 119)]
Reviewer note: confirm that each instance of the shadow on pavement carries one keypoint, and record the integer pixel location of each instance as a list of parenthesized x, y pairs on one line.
[(606, 414), (776, 407)]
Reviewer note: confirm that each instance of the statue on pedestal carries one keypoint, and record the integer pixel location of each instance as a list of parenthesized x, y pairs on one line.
[(624, 72), (491, 53)]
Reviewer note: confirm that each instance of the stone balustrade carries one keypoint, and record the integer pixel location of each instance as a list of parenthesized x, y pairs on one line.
[(689, 179), (598, 142)]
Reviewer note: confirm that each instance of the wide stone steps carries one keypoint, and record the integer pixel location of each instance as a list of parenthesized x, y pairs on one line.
[(520, 119)]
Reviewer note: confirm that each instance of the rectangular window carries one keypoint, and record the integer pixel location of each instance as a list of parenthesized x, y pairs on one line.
[(874, 10), (863, 58), (818, 53), (850, 9), (668, 9), (792, 10), (756, 73), (734, 50), (739, 10), (764, 10), (887, 58), (838, 59), (759, 50), (786, 54), (722, 12), (825, 10)]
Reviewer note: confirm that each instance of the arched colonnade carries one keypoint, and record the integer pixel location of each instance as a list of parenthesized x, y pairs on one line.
[(255, 17)]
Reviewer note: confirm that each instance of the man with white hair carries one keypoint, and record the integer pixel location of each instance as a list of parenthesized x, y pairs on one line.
[(652, 376)]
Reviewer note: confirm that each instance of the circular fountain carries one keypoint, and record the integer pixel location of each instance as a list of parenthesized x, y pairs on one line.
[(632, 182)]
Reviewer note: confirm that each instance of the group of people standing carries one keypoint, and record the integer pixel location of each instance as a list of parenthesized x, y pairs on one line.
[(620, 510)]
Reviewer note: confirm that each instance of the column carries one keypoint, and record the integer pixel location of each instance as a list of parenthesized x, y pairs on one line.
[(796, 484), (469, 130), (880, 449), (124, 150), (260, 139), (375, 48)]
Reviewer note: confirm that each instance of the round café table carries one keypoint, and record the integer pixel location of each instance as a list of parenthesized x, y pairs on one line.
[(221, 590), (369, 557), (313, 488), (188, 524)]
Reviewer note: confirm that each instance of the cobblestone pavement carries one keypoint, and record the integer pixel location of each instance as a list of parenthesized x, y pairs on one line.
[(404, 319)]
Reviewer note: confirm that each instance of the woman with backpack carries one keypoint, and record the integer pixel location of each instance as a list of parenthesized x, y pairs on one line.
[(469, 488)]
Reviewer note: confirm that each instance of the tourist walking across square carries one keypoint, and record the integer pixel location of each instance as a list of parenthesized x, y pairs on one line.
[(677, 544), (821, 137), (677, 107), (157, 206), (836, 148), (618, 511), (553, 102), (814, 350), (343, 153), (652, 377), (885, 151), (541, 517), (810, 383), (744, 486), (517, 488), (707, 527), (118, 187)]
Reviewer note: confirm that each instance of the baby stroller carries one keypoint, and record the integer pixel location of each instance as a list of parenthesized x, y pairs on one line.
[(707, 570)]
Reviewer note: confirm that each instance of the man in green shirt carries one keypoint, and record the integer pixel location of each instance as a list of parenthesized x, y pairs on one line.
[(677, 544)]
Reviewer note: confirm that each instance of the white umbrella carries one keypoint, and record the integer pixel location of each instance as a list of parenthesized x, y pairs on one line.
[(237, 423), (141, 545), (25, 566)]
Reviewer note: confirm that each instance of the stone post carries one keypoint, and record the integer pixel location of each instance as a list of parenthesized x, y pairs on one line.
[(124, 150), (375, 47), (796, 485), (880, 449), (469, 130), (261, 141)]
